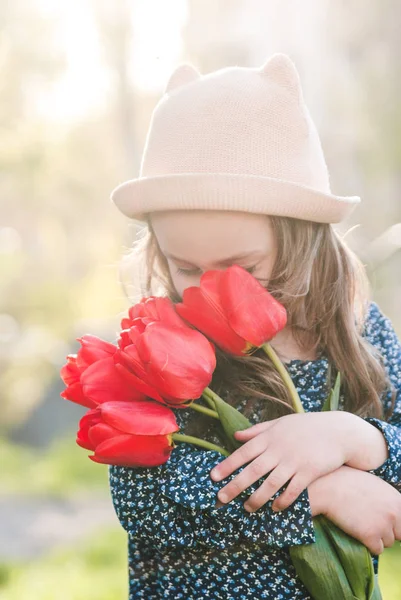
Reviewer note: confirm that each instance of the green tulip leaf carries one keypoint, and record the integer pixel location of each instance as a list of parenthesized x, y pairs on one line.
[(327, 402), (319, 568), (231, 420), (333, 399), (376, 594), (355, 559)]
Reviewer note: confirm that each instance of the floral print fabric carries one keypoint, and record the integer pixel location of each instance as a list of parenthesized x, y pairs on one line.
[(180, 546)]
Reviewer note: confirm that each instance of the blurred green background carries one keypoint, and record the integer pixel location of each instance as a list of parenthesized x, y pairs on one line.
[(79, 81)]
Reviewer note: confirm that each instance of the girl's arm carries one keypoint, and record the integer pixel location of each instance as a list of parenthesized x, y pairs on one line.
[(380, 332), (307, 446), (174, 506), (361, 504), (142, 571)]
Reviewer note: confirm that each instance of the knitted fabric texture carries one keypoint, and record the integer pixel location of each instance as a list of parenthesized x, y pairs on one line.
[(235, 139)]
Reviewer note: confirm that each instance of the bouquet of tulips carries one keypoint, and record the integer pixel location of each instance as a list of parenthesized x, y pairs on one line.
[(164, 358)]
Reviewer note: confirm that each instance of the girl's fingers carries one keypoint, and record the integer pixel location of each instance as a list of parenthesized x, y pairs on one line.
[(296, 486), (375, 547), (256, 469), (397, 529), (247, 434), (388, 539), (241, 456), (269, 487)]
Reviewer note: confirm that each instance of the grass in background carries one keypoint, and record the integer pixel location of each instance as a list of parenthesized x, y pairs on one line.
[(97, 570), (390, 573), (93, 570), (61, 470)]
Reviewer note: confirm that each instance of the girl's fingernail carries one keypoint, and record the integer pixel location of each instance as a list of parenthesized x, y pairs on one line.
[(248, 508), (222, 497), (214, 474)]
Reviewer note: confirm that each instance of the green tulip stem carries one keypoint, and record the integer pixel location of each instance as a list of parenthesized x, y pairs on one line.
[(180, 437), (209, 395), (209, 400), (204, 410), (296, 401)]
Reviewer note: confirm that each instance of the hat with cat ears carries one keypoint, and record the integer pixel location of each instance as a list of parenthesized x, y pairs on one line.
[(237, 138)]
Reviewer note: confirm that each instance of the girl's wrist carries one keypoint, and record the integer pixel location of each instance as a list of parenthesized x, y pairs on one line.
[(324, 492), (369, 446), (317, 492)]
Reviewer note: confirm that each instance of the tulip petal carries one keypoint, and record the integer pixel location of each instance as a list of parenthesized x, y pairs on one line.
[(124, 339), (202, 308), (74, 393), (83, 441), (167, 313), (139, 418), (70, 373), (134, 451), (101, 432), (136, 382), (93, 349), (179, 361), (131, 357), (102, 382), (90, 419), (251, 310), (150, 310)]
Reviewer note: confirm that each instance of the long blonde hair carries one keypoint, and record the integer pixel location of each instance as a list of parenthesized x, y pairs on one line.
[(325, 290)]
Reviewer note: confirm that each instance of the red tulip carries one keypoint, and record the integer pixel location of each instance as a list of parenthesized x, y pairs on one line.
[(233, 309), (131, 434), (169, 364), (151, 310), (91, 375), (161, 355)]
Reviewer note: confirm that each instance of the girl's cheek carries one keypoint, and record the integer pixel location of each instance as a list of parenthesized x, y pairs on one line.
[(264, 270)]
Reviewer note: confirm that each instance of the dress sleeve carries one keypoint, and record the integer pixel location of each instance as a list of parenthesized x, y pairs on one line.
[(173, 506), (380, 332), (142, 571)]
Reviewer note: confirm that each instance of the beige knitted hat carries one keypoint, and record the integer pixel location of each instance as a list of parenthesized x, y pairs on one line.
[(235, 139)]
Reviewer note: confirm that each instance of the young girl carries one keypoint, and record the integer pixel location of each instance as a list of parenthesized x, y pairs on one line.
[(233, 173)]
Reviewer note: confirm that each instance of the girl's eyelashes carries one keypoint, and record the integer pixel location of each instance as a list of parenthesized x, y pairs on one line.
[(195, 271), (188, 272)]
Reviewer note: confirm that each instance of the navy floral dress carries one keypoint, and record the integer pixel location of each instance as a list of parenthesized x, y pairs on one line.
[(181, 546)]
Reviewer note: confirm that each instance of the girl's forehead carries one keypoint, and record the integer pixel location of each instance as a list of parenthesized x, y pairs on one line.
[(211, 235)]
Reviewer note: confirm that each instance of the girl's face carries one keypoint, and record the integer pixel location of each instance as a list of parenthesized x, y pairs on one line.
[(195, 241)]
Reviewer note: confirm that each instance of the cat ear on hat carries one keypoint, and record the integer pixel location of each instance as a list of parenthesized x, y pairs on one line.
[(281, 69), (182, 75)]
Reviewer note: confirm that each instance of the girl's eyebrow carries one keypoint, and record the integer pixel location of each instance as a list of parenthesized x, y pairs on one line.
[(231, 259)]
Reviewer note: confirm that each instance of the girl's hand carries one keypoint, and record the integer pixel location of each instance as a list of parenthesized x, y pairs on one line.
[(361, 504), (301, 447)]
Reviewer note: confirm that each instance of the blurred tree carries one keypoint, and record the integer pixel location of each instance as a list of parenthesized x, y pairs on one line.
[(364, 102), (60, 242), (114, 22)]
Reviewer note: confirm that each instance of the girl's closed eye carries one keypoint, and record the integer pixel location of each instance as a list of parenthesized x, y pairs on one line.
[(196, 271), (188, 272)]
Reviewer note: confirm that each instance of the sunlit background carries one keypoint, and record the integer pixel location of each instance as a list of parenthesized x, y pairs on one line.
[(79, 81)]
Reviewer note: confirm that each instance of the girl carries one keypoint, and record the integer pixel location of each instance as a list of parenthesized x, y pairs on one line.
[(233, 173)]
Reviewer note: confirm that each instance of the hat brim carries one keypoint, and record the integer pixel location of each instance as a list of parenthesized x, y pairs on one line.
[(137, 198)]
